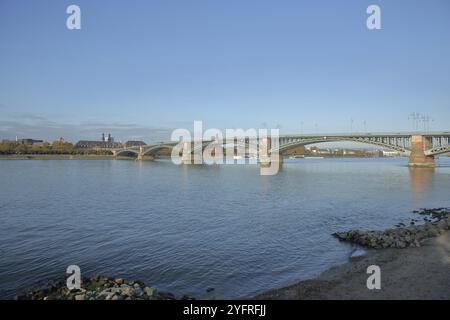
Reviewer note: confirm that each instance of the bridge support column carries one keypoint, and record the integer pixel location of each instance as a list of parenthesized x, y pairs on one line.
[(140, 156), (186, 156), (269, 164), (189, 157), (268, 167), (418, 158), (114, 152), (186, 159)]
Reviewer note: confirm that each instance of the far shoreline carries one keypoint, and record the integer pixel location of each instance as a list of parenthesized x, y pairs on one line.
[(59, 157)]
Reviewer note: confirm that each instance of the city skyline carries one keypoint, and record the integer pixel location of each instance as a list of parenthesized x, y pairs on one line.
[(141, 70)]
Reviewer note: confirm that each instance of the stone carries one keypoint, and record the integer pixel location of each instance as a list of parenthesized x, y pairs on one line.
[(137, 292), (119, 281), (80, 297), (126, 291), (149, 291), (109, 296)]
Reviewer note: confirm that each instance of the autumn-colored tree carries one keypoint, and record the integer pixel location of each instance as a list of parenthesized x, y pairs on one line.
[(22, 149), (61, 144), (7, 147)]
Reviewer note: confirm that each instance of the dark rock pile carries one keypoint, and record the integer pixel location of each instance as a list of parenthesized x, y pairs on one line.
[(437, 221), (99, 288)]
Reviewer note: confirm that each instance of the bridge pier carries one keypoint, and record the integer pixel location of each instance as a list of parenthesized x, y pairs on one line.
[(268, 167), (141, 155), (418, 158), (191, 159), (269, 163)]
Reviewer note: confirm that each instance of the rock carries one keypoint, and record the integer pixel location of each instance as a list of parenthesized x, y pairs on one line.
[(109, 296), (149, 291), (126, 291), (400, 244), (137, 292), (436, 222), (98, 288)]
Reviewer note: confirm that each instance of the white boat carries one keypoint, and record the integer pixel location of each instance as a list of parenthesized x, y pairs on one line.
[(314, 157)]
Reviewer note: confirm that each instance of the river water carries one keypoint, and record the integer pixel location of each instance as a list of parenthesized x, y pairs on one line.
[(184, 229)]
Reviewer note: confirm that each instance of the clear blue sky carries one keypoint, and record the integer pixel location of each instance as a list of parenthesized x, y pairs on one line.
[(137, 68)]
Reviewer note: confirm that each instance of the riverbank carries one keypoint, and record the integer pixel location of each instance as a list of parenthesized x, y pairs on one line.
[(57, 157), (411, 273), (99, 288), (419, 271), (414, 261)]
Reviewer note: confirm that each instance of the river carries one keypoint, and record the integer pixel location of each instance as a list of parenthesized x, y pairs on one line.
[(184, 229)]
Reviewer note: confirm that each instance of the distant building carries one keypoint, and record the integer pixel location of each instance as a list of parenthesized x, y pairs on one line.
[(390, 153), (108, 138), (30, 142), (107, 142), (132, 143)]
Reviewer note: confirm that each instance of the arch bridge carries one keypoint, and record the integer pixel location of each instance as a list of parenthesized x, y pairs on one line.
[(421, 148)]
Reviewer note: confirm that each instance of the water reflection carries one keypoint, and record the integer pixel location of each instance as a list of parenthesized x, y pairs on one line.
[(422, 180)]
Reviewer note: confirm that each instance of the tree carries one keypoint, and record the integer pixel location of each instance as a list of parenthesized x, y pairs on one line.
[(22, 149), (7, 147), (61, 144)]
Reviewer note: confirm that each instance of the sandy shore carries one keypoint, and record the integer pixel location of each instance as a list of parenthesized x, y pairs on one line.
[(411, 273)]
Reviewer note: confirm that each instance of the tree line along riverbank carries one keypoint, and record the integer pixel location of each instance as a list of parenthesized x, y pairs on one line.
[(58, 147)]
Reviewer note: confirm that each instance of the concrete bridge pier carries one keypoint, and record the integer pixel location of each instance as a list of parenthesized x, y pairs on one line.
[(141, 155), (191, 157), (269, 164), (114, 152), (418, 158)]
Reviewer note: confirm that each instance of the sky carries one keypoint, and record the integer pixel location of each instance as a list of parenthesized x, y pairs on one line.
[(140, 69)]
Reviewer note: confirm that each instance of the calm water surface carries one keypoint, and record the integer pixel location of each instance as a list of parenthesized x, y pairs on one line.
[(185, 229)]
